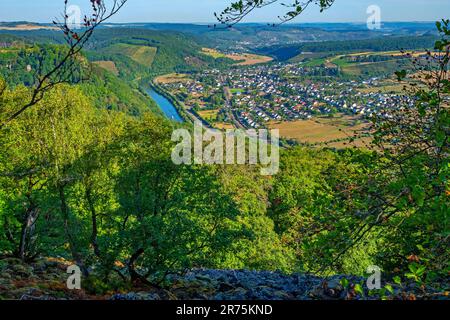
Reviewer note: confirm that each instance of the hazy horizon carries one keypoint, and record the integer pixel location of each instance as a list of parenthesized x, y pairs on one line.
[(202, 11), (241, 23)]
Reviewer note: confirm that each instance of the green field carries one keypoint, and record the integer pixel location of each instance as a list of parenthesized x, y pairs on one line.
[(209, 115), (108, 65), (141, 54), (350, 66)]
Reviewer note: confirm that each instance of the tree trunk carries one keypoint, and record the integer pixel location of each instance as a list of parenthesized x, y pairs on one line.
[(133, 274), (94, 235), (26, 231), (65, 213)]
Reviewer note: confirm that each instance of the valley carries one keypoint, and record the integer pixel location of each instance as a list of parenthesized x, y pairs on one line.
[(306, 97), (242, 59), (327, 111), (165, 105), (109, 190)]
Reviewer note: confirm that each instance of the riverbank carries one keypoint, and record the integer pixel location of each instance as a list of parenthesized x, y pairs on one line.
[(187, 115), (174, 103)]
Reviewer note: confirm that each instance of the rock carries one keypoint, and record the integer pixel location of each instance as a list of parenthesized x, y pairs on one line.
[(237, 294), (203, 278), (6, 276), (12, 261), (148, 296), (281, 295), (261, 293), (21, 270), (6, 286), (120, 296), (28, 297), (335, 283), (46, 278), (137, 296), (333, 288), (42, 265), (224, 286)]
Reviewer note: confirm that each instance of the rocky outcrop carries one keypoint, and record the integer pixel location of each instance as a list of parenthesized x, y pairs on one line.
[(46, 279), (247, 285), (263, 285)]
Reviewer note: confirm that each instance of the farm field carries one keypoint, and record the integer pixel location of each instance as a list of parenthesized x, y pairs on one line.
[(384, 88), (223, 126), (108, 65), (395, 53), (243, 59), (209, 115), (141, 54), (385, 67), (172, 78), (355, 68), (321, 130), (27, 27)]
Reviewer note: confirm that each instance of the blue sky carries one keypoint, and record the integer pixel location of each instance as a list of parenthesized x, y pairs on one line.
[(202, 10)]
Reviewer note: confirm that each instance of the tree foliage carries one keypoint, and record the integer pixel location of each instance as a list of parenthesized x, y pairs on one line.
[(97, 186), (63, 69), (238, 10)]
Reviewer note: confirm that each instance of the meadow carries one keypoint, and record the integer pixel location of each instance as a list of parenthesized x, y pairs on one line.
[(332, 132), (143, 55), (242, 59)]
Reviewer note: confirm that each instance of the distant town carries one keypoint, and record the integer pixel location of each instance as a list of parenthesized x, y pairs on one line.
[(285, 96)]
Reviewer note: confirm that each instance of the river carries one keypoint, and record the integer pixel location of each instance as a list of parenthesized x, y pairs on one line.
[(165, 105)]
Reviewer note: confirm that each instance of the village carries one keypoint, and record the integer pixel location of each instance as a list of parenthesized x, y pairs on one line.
[(256, 96)]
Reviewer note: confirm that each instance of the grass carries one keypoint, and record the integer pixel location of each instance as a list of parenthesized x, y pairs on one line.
[(141, 54), (223, 125), (209, 115), (315, 62), (352, 67), (213, 53), (242, 59), (394, 53), (172, 78), (27, 27), (385, 67), (309, 57), (108, 65), (322, 130), (385, 87)]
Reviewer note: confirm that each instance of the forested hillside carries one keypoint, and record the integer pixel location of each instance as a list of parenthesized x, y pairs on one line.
[(114, 69), (286, 52), (87, 178), (19, 64), (173, 51)]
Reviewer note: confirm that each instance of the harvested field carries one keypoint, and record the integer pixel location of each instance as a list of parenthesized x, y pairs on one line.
[(223, 126), (108, 65), (242, 59), (172, 78), (27, 27), (321, 130), (208, 115)]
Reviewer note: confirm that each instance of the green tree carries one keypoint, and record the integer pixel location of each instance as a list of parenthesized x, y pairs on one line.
[(238, 10)]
